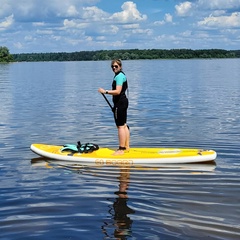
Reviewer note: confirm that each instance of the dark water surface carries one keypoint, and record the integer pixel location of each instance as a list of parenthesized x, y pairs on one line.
[(173, 103)]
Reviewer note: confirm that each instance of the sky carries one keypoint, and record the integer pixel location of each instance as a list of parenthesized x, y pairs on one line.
[(34, 26)]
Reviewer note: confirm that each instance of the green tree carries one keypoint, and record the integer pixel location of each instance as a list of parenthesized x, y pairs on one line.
[(5, 56)]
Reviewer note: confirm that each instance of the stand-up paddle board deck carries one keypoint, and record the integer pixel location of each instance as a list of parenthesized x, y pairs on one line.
[(143, 156)]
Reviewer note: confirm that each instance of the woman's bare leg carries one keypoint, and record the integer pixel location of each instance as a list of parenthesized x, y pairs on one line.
[(123, 137), (127, 134)]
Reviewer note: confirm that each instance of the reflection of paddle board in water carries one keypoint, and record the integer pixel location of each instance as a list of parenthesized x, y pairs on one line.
[(134, 156), (75, 166)]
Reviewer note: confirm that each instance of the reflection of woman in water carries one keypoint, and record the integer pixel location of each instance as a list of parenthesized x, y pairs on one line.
[(122, 221), (121, 210)]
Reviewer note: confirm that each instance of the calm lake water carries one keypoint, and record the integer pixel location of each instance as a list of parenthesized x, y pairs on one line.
[(173, 103)]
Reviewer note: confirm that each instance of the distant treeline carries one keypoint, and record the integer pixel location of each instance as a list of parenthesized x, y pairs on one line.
[(130, 54)]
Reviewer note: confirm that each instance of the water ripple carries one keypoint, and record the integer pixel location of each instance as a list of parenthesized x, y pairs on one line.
[(176, 108), (178, 201)]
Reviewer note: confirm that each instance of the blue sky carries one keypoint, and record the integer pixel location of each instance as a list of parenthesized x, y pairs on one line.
[(77, 25)]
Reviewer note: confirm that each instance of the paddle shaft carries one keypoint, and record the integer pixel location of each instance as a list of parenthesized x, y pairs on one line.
[(107, 101)]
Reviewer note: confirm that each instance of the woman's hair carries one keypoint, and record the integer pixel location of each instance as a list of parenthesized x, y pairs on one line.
[(118, 61)]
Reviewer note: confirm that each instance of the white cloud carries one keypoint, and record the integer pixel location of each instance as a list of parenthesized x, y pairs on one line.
[(56, 38), (142, 31), (18, 45), (168, 18), (44, 32), (94, 14), (131, 26), (183, 9), (69, 23), (118, 44), (72, 11), (232, 31), (7, 22), (38, 24), (187, 33), (202, 34), (28, 38), (113, 29), (221, 21), (217, 13), (107, 30), (218, 4), (165, 40), (101, 38), (129, 14), (74, 24), (159, 23)]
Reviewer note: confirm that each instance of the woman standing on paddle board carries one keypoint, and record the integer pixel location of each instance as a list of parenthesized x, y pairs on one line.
[(120, 101)]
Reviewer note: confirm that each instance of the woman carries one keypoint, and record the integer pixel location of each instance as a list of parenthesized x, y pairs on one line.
[(120, 101)]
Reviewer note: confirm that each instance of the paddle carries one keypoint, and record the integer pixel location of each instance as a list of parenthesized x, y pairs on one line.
[(107, 102)]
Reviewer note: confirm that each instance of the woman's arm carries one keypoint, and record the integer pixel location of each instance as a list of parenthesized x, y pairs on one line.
[(111, 92)]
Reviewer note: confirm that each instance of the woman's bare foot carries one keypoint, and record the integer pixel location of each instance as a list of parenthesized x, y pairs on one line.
[(119, 151)]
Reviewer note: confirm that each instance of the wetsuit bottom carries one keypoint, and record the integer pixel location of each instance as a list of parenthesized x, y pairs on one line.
[(120, 116)]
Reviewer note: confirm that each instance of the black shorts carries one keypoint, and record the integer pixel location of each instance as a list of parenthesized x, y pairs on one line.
[(120, 116)]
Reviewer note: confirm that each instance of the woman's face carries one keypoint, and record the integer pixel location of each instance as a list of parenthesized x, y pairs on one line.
[(115, 67)]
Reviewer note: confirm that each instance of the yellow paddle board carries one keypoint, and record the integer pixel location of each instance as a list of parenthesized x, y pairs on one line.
[(133, 156)]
